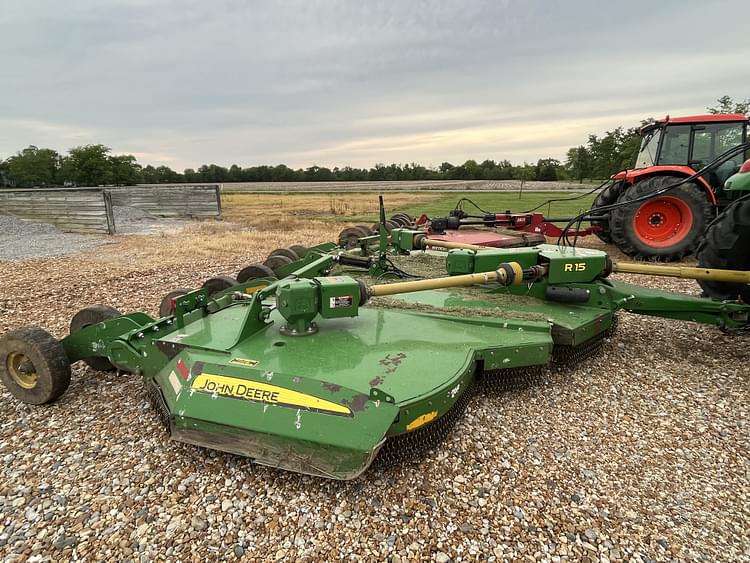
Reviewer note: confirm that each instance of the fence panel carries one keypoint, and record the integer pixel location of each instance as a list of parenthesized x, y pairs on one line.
[(70, 210), (171, 201)]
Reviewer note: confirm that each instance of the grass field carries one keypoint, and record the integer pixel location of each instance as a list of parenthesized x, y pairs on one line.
[(364, 207)]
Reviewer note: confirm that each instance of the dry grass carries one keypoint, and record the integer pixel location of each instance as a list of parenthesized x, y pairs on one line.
[(214, 241), (256, 208)]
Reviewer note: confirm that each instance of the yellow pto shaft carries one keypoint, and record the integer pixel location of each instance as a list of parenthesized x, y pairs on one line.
[(731, 276), (506, 274), (432, 243)]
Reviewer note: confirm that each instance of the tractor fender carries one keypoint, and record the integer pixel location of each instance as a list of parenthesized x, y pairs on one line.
[(633, 176)]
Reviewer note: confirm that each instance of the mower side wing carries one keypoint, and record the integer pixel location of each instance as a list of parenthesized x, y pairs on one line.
[(96, 340)]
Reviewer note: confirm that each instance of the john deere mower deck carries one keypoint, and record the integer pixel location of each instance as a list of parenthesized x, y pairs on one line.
[(334, 364)]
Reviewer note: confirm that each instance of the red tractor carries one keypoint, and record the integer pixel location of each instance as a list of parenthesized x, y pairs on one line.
[(670, 226)]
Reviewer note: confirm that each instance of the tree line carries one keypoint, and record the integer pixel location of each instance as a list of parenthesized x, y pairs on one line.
[(95, 165)]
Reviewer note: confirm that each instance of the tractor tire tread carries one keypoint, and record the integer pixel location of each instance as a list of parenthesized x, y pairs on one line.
[(621, 219), (725, 247)]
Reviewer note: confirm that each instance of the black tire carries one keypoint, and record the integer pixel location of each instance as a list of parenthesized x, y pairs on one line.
[(366, 229), (218, 283), (689, 196), (166, 307), (277, 261), (727, 246), (405, 216), (90, 316), (349, 237), (607, 196), (288, 252), (400, 220), (300, 250), (253, 272), (33, 365)]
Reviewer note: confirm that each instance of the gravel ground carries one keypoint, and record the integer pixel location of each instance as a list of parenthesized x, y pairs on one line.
[(21, 239), (638, 454), (134, 221)]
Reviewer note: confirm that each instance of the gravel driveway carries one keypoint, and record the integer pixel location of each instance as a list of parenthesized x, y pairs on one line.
[(638, 454)]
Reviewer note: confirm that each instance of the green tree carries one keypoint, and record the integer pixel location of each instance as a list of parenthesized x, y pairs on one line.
[(726, 104), (546, 169), (125, 170), (578, 163), (88, 165), (34, 167)]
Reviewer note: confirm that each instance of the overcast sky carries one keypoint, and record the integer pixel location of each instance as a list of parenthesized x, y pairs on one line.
[(187, 82)]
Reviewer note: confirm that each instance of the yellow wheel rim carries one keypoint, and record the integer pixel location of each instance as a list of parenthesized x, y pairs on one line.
[(21, 370)]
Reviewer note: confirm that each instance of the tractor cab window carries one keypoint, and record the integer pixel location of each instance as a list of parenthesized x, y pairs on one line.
[(713, 139), (676, 144), (649, 146)]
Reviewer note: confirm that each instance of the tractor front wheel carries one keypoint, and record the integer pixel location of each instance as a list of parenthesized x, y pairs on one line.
[(665, 227), (607, 196), (725, 246), (33, 365)]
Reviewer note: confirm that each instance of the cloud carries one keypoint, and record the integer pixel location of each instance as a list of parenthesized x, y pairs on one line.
[(338, 82)]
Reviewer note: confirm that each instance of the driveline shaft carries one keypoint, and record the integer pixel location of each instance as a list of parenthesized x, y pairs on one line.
[(711, 274), (510, 273)]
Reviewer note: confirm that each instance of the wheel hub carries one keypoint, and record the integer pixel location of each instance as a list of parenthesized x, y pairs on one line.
[(663, 221), (22, 370)]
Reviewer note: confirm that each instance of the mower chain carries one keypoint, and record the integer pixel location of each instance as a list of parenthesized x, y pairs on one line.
[(569, 356), (413, 445), (512, 379), (157, 402)]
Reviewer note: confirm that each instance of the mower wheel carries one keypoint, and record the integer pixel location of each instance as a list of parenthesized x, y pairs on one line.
[(92, 315), (349, 237), (725, 246), (253, 272), (299, 249), (217, 284), (607, 196), (33, 365), (288, 252), (665, 227), (277, 261), (366, 229), (390, 225), (401, 219), (166, 307)]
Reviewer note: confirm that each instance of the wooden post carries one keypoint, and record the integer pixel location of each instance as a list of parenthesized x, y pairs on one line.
[(111, 227)]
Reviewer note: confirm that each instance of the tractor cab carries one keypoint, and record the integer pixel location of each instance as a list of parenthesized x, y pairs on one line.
[(693, 142)]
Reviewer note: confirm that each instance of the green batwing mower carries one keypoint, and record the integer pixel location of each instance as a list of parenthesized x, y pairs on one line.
[(338, 358)]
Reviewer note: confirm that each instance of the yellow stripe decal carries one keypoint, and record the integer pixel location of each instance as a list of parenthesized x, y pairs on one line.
[(255, 391), (421, 420)]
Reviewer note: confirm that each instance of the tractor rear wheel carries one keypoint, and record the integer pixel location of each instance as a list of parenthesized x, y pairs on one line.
[(92, 315), (666, 227), (607, 196), (33, 365), (725, 246)]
